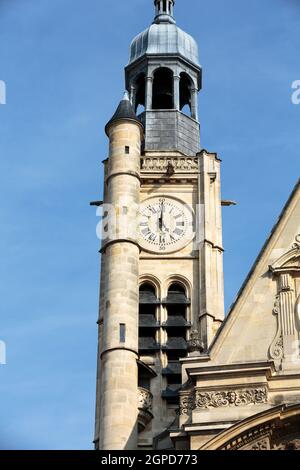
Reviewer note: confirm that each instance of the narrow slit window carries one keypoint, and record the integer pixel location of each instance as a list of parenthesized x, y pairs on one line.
[(122, 333), (127, 150)]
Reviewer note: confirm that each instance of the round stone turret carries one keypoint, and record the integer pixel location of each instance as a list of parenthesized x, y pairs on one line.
[(118, 333)]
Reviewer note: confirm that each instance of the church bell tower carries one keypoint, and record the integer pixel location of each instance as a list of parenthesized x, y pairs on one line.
[(161, 281), (164, 78)]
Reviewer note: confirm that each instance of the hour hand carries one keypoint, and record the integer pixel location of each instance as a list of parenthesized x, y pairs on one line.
[(160, 221)]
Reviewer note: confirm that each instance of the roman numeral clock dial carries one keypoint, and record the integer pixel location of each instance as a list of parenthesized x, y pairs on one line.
[(166, 225)]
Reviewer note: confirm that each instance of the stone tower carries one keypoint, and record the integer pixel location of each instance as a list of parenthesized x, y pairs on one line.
[(162, 284)]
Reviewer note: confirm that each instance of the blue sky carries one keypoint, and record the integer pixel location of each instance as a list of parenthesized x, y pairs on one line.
[(62, 61)]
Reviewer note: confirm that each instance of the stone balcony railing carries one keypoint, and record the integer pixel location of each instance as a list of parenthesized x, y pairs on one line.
[(153, 164), (145, 407)]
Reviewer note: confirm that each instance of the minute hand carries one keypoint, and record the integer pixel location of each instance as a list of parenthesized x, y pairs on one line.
[(163, 226)]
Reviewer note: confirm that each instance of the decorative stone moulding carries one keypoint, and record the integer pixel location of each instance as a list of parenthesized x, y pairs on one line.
[(255, 396), (256, 439), (262, 439), (198, 399)]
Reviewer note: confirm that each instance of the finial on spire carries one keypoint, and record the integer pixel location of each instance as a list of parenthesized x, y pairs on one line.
[(164, 11), (126, 96)]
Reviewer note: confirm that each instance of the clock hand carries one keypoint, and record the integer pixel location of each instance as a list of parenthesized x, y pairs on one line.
[(161, 217), (160, 221), (166, 229)]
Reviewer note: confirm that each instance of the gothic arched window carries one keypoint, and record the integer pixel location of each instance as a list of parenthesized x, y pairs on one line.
[(163, 89)]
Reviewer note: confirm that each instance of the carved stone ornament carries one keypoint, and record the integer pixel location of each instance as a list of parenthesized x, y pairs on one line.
[(276, 348), (263, 444), (159, 164), (297, 242), (288, 445), (293, 445), (255, 396), (194, 344), (145, 399), (186, 403)]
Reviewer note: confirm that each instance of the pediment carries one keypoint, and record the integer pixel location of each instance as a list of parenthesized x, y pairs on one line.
[(290, 261)]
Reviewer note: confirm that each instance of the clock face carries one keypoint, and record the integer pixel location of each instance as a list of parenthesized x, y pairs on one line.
[(166, 225)]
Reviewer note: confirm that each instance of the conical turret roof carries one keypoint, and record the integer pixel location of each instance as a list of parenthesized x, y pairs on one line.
[(124, 111)]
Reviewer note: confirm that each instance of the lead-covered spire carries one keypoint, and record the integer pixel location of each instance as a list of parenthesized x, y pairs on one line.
[(164, 11)]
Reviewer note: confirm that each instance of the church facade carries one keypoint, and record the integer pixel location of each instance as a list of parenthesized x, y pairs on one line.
[(173, 373)]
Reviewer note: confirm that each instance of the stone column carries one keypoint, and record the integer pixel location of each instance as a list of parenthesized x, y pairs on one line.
[(176, 92), (149, 92), (194, 103), (172, 9), (133, 96), (119, 348)]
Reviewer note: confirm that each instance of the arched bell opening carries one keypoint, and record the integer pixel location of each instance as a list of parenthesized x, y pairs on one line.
[(176, 304), (185, 91), (188, 96), (162, 96), (140, 94), (148, 324)]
